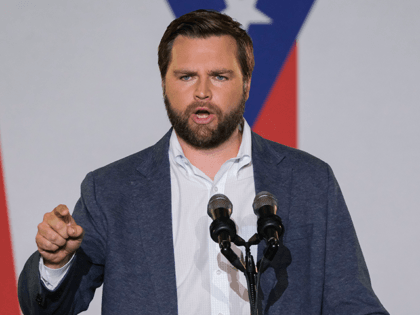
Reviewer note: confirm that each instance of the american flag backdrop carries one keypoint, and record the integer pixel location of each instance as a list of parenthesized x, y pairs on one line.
[(80, 88)]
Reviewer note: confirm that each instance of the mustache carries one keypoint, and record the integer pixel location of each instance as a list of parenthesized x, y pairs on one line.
[(193, 107), (196, 106)]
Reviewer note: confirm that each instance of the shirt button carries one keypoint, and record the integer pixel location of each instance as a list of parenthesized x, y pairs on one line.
[(218, 272), (215, 188)]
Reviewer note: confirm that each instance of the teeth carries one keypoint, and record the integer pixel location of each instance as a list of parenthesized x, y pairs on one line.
[(202, 115)]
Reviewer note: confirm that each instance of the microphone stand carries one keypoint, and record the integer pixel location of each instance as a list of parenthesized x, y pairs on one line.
[(223, 231), (250, 271)]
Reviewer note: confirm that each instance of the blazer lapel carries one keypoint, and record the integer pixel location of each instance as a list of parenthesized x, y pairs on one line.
[(155, 224), (271, 176)]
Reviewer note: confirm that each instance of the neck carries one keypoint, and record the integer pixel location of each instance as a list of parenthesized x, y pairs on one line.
[(209, 161)]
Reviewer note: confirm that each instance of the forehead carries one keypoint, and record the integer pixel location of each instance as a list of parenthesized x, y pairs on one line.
[(213, 51)]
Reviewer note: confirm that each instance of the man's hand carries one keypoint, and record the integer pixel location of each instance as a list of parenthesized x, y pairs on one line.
[(58, 237)]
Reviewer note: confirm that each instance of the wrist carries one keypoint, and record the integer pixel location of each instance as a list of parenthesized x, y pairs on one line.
[(57, 265)]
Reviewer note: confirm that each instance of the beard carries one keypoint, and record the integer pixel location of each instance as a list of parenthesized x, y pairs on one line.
[(204, 136)]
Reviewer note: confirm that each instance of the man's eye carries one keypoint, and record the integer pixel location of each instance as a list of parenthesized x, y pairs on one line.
[(186, 77), (220, 78)]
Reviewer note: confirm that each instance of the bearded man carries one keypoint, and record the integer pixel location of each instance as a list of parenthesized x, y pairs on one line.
[(140, 227)]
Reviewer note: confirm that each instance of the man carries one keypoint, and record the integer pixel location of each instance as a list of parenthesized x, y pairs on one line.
[(140, 227)]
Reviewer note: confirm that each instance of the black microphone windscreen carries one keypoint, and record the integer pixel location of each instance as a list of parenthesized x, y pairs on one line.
[(264, 199), (218, 201)]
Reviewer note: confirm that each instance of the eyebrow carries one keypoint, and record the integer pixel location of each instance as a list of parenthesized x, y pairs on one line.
[(185, 71), (211, 72), (220, 71)]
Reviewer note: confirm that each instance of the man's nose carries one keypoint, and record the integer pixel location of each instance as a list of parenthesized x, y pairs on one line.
[(203, 90)]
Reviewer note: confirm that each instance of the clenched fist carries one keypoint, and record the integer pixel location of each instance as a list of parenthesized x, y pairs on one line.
[(58, 237)]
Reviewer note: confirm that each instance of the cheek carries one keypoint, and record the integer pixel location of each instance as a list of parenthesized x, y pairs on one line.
[(178, 99), (232, 96), (178, 89)]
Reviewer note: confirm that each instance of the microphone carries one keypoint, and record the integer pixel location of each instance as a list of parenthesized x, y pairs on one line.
[(222, 229), (269, 225)]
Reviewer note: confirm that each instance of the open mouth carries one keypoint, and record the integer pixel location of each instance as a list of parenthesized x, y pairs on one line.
[(202, 113)]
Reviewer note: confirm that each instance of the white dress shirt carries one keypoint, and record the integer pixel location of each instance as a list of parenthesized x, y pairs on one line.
[(207, 284)]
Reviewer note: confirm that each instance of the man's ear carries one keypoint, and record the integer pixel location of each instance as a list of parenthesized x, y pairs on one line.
[(247, 87), (163, 86)]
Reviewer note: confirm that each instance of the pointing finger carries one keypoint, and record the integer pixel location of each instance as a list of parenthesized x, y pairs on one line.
[(63, 213)]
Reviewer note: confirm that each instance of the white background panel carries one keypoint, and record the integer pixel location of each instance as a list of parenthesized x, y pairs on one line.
[(359, 111)]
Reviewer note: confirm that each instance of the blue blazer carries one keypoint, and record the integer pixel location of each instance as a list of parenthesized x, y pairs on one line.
[(125, 209)]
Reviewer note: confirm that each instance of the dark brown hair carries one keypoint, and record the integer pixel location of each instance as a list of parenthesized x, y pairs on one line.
[(203, 24)]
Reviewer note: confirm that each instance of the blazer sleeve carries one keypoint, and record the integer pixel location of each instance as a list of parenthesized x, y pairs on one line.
[(347, 286), (77, 288)]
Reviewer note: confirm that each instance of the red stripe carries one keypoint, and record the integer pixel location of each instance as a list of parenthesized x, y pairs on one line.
[(8, 290), (277, 120)]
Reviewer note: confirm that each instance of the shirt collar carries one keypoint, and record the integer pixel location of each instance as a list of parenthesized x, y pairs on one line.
[(243, 158), (245, 150)]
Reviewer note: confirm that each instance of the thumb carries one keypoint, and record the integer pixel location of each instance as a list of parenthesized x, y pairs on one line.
[(75, 231)]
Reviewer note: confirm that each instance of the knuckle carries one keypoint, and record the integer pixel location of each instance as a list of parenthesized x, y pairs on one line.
[(52, 237), (57, 226), (46, 216), (46, 245), (57, 239), (42, 226), (37, 239), (41, 244), (60, 242), (52, 247)]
